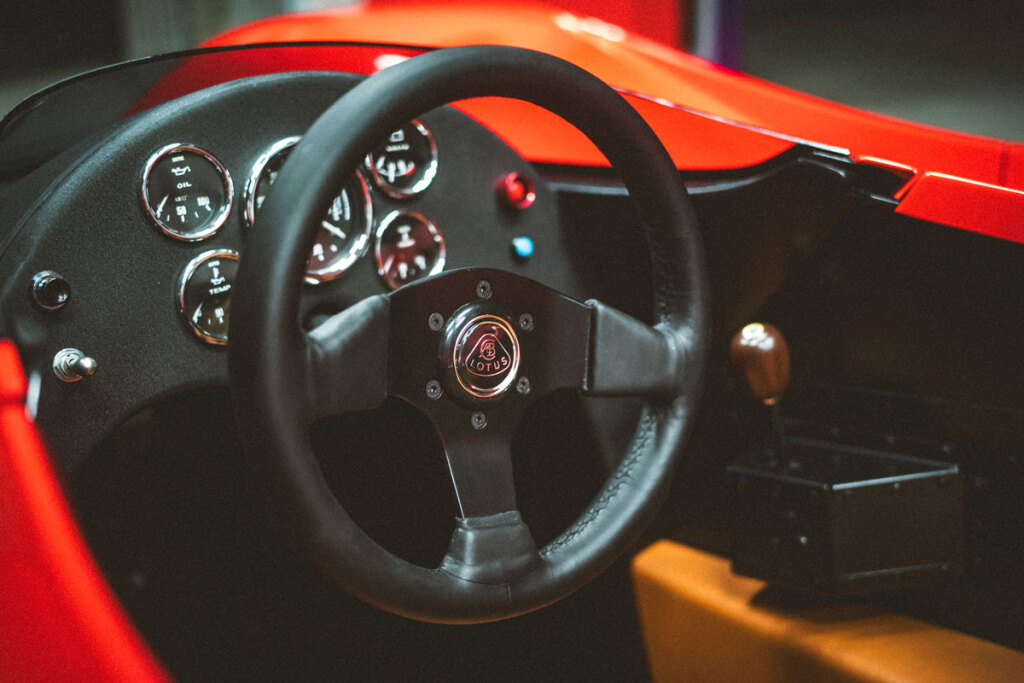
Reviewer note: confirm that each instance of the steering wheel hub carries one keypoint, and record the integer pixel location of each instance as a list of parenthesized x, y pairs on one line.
[(483, 352)]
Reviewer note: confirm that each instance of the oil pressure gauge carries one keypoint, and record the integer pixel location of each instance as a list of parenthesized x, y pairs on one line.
[(344, 232), (204, 294), (409, 247), (405, 164), (186, 192)]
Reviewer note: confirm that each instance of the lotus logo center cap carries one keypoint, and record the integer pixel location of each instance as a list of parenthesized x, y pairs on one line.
[(486, 356)]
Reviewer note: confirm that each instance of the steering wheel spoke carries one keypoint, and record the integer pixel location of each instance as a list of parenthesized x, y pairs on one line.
[(479, 456), (347, 360), (625, 357), (491, 549)]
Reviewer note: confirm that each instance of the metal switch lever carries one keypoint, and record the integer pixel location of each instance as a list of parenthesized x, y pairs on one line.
[(71, 365)]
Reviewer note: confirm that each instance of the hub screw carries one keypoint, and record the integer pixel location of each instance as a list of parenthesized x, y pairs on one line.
[(436, 321), (523, 386), (483, 289), (526, 322), (479, 420), (434, 389)]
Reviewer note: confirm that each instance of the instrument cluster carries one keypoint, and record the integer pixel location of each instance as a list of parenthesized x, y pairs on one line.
[(188, 194)]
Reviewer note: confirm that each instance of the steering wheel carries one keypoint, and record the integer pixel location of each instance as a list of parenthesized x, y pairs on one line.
[(472, 349)]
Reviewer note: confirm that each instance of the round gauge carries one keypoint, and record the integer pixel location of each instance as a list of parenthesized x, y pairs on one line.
[(344, 232), (186, 192), (204, 294), (409, 247), (406, 163)]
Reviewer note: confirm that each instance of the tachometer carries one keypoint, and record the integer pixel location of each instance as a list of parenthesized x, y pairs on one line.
[(344, 233), (186, 191)]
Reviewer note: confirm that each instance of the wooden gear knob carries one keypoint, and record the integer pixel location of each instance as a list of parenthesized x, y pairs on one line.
[(761, 355)]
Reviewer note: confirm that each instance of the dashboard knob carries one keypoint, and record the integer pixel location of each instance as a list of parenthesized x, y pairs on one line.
[(761, 355), (517, 191), (50, 291), (71, 365)]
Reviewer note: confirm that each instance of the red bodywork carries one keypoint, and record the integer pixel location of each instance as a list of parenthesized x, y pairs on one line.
[(640, 65), (62, 621)]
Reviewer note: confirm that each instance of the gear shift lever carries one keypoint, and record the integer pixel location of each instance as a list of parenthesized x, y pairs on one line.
[(761, 355)]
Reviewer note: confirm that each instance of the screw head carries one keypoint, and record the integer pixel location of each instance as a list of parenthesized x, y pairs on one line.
[(526, 322), (434, 389), (435, 321), (483, 289), (478, 420), (523, 386)]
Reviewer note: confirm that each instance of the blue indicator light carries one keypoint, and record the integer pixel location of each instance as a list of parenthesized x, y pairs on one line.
[(523, 247)]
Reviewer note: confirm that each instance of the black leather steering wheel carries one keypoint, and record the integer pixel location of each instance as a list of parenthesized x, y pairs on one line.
[(472, 349)]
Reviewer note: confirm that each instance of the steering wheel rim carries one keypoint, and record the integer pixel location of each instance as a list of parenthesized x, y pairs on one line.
[(277, 371)]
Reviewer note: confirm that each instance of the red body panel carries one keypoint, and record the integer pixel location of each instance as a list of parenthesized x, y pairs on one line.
[(534, 132), (641, 65), (60, 619), (969, 205), (660, 20)]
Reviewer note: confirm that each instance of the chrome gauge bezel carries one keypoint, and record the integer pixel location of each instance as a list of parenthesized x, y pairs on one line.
[(442, 249), (360, 244), (218, 220), (186, 275), (424, 182), (249, 192)]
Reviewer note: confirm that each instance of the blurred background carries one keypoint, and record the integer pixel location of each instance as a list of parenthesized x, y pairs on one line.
[(952, 63)]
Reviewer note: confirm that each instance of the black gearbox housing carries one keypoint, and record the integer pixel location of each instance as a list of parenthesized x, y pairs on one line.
[(840, 520)]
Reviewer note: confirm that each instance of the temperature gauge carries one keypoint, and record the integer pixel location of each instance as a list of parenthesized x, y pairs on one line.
[(204, 294), (344, 232), (406, 163), (409, 247), (186, 192)]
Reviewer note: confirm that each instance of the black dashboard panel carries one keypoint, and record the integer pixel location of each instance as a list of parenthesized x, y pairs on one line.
[(124, 271)]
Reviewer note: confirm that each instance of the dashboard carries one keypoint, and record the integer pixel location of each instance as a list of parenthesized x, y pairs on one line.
[(146, 230)]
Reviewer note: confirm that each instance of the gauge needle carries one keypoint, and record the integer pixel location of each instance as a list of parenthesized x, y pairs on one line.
[(334, 230), (160, 207)]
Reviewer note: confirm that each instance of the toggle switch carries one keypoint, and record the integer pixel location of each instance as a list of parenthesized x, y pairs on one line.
[(71, 365)]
